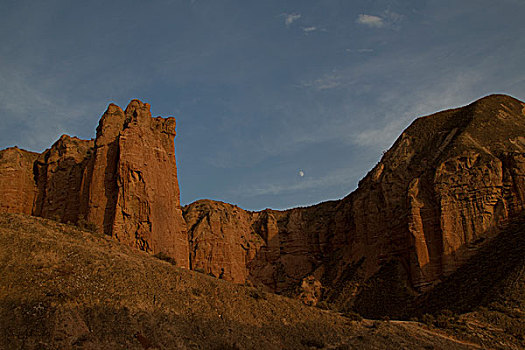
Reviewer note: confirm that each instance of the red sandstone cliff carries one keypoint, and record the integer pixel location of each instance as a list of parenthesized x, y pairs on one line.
[(59, 177), (124, 182), (446, 184), (147, 212), (17, 185)]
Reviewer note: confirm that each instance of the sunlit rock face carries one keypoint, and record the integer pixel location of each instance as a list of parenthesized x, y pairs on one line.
[(17, 184), (147, 211), (124, 183), (446, 184)]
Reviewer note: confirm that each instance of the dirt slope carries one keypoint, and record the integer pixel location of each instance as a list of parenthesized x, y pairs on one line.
[(62, 288)]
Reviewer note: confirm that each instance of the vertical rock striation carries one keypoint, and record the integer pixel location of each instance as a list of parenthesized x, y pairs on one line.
[(446, 184), (17, 184), (59, 177), (147, 211), (124, 182)]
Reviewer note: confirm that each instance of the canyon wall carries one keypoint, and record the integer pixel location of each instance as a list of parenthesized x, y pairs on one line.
[(17, 184), (444, 187), (124, 183)]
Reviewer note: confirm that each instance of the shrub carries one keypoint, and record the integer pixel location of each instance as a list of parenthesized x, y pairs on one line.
[(257, 293), (447, 319), (83, 224), (353, 316), (165, 257), (428, 319), (314, 343), (324, 305)]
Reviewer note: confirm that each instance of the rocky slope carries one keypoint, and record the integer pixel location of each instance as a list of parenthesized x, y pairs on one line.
[(64, 288), (123, 183), (447, 185), (448, 182)]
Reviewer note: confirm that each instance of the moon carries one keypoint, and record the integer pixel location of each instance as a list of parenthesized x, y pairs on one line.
[(301, 173)]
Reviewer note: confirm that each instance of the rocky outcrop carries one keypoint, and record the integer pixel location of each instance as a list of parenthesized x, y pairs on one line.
[(446, 184), (271, 248), (102, 170), (17, 185), (124, 183), (59, 176), (147, 212), (222, 239)]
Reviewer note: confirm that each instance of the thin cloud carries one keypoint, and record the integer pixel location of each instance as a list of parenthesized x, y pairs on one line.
[(290, 18), (370, 21), (360, 50), (387, 18), (329, 81), (309, 29)]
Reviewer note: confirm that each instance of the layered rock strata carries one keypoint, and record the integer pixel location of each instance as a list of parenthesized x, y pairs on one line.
[(124, 183), (445, 185)]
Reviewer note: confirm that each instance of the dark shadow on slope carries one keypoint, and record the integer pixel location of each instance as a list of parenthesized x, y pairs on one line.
[(494, 274)]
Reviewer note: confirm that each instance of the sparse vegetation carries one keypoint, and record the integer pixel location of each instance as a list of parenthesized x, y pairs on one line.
[(257, 293), (83, 224), (313, 343), (71, 288), (165, 257), (353, 316)]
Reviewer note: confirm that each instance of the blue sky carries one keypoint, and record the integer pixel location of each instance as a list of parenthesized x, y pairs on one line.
[(262, 90)]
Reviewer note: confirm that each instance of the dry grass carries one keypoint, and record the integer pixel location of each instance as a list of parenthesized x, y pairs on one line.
[(63, 288)]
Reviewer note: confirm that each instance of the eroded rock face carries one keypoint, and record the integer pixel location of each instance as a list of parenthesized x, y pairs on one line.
[(17, 183), (222, 239), (446, 184), (124, 183), (59, 174), (102, 170), (147, 212)]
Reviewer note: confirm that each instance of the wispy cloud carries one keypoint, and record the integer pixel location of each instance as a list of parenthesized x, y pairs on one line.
[(360, 50), (370, 21), (39, 112), (386, 19), (309, 29), (329, 81), (289, 18)]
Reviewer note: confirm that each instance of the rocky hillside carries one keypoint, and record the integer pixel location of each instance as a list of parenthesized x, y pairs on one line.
[(64, 288), (123, 183), (447, 184)]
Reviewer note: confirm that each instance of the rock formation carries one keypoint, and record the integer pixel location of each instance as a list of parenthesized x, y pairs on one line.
[(17, 185), (445, 185), (147, 212), (124, 183), (222, 239), (59, 176)]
